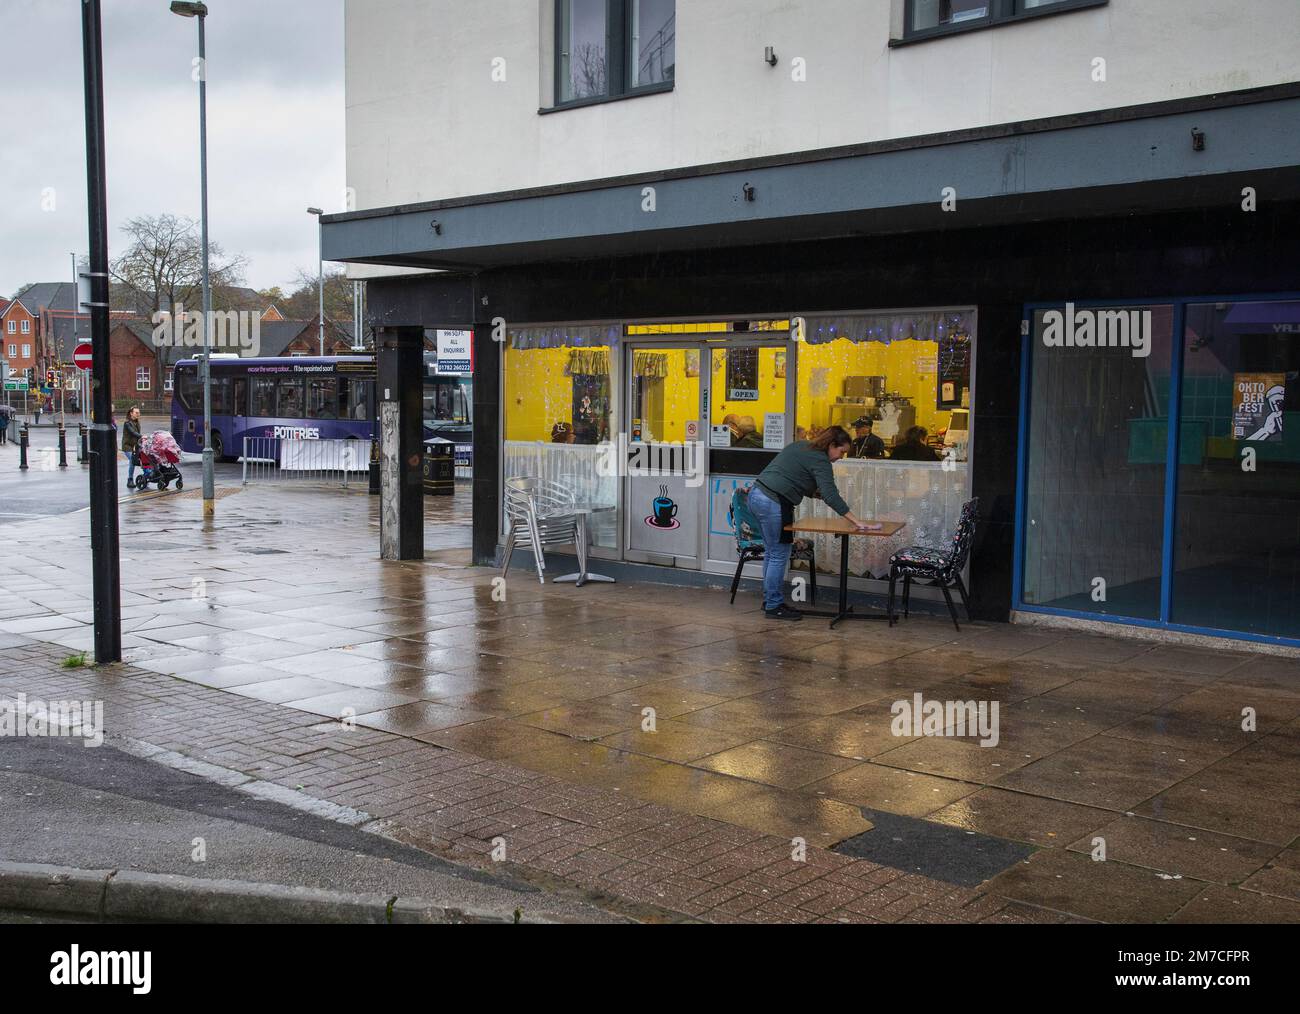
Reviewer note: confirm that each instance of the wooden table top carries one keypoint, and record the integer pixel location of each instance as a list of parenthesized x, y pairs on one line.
[(838, 526)]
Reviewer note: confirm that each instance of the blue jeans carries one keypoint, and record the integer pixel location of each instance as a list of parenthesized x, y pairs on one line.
[(776, 554), (130, 470)]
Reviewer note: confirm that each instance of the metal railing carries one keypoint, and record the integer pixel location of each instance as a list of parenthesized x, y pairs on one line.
[(333, 462)]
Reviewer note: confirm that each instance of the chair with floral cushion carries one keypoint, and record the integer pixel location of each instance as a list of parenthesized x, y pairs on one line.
[(941, 567), (749, 543)]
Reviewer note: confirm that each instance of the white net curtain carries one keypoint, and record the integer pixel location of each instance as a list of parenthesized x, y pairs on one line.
[(926, 498)]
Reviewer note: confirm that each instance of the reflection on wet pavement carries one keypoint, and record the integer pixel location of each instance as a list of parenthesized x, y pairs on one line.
[(672, 695)]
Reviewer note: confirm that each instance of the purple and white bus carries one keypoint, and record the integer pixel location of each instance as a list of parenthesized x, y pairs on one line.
[(295, 398)]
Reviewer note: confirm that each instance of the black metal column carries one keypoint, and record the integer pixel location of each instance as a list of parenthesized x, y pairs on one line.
[(400, 365), (103, 461), (489, 334), (996, 422)]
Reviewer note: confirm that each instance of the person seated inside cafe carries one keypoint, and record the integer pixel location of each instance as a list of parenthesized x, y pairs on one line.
[(865, 443), (914, 447), (744, 433), (749, 435)]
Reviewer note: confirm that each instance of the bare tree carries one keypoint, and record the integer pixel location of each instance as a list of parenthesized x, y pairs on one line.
[(162, 268), (302, 303), (588, 71)]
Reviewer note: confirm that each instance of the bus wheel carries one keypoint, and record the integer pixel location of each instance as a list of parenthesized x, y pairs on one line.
[(217, 449)]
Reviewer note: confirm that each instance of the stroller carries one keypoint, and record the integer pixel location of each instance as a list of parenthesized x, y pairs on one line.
[(158, 455)]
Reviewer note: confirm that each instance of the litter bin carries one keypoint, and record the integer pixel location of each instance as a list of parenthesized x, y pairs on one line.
[(439, 467)]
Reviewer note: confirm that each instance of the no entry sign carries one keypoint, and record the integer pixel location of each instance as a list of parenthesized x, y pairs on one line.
[(82, 356)]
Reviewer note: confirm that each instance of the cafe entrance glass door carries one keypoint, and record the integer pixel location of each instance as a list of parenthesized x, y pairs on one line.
[(751, 409), (665, 417)]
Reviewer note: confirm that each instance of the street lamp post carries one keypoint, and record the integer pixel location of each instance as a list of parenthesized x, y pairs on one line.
[(105, 560), (320, 272), (200, 11)]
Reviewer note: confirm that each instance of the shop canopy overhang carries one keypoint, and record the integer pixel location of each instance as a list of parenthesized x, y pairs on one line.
[(1134, 160)]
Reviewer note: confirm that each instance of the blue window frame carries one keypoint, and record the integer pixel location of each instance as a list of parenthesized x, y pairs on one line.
[(1203, 438)]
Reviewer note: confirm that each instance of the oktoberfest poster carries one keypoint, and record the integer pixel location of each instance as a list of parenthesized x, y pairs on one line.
[(1257, 402)]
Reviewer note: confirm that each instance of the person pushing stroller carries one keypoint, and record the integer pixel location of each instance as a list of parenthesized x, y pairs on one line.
[(158, 455)]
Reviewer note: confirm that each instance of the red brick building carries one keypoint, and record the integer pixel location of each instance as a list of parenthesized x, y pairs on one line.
[(135, 367), (338, 340), (19, 332)]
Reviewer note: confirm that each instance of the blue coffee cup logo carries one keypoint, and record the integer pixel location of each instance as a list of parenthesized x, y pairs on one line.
[(665, 511)]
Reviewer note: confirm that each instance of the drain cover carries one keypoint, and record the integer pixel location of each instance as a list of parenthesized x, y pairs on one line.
[(933, 850)]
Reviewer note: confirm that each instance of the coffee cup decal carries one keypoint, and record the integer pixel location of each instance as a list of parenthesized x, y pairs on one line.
[(663, 511)]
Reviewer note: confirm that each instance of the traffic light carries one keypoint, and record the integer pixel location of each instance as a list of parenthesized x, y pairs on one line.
[(49, 378)]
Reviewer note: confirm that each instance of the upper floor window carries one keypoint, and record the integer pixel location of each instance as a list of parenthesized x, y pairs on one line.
[(610, 48), (142, 378), (13, 351), (653, 46), (27, 351), (13, 327), (27, 327), (925, 18)]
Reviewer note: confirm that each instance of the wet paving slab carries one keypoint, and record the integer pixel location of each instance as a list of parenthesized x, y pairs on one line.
[(676, 698)]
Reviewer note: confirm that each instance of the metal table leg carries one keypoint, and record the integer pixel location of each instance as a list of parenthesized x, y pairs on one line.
[(583, 576), (845, 611)]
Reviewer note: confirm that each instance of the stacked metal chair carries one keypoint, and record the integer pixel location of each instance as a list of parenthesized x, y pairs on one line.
[(541, 513)]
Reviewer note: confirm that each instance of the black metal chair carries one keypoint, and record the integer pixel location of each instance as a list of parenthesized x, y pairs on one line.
[(749, 543), (941, 567)]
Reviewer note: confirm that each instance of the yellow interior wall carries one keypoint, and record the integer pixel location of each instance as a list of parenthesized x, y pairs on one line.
[(895, 361), (681, 398), (771, 390), (538, 392), (670, 401)]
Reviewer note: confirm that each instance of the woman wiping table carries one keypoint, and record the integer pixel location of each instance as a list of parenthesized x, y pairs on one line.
[(803, 469)]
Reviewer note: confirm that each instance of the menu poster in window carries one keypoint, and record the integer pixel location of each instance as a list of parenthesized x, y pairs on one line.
[(1257, 403), (590, 408), (954, 369), (774, 431), (742, 374)]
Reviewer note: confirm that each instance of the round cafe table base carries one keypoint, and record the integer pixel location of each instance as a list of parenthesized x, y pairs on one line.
[(585, 578)]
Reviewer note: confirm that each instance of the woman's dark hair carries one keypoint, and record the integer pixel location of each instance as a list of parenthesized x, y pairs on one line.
[(916, 435), (831, 436)]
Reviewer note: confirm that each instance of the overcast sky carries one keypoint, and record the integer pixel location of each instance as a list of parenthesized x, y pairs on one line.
[(275, 129)]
